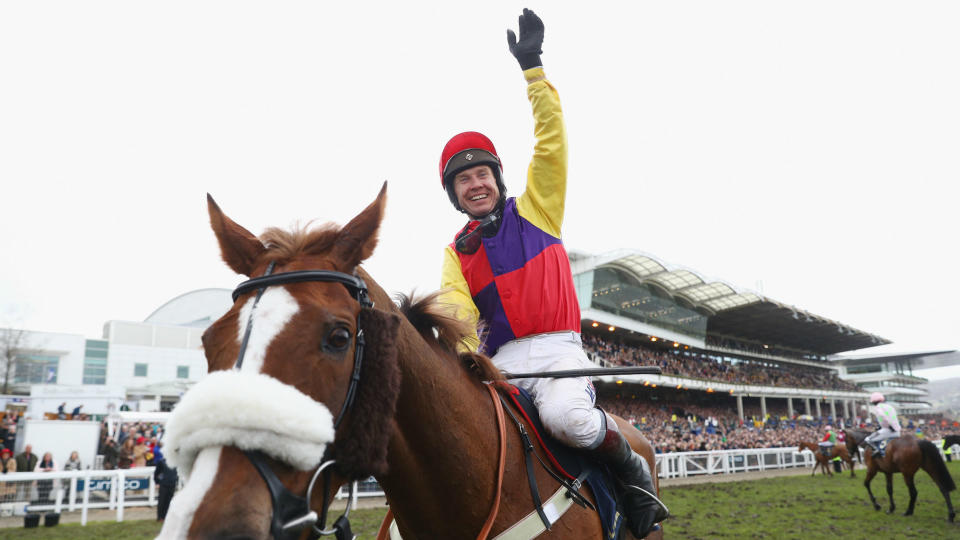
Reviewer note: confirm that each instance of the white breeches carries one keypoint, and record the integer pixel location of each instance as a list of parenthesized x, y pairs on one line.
[(567, 406), (882, 434)]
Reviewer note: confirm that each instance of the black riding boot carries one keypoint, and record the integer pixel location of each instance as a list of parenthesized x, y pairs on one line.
[(641, 505)]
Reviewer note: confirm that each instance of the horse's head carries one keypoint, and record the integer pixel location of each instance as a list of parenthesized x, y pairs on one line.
[(294, 365)]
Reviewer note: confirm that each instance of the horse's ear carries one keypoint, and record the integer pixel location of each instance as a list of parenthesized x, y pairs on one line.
[(238, 246), (357, 239)]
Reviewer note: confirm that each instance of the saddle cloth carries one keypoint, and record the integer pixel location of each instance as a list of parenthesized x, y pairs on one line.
[(599, 479)]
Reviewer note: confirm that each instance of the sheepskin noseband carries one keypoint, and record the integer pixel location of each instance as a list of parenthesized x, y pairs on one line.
[(249, 411)]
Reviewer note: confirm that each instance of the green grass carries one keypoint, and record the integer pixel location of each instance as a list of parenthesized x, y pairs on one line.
[(364, 522), (805, 507), (795, 507), (93, 531)]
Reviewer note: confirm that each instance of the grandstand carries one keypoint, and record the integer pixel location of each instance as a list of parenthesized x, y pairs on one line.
[(710, 337)]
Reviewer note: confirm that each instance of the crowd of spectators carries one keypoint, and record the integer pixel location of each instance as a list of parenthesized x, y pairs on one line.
[(754, 348), (685, 363), (685, 425), (8, 430), (135, 445)]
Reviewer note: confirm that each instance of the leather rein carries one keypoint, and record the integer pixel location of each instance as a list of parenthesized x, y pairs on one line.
[(292, 512)]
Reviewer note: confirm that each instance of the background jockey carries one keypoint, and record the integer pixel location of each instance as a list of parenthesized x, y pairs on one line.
[(886, 418), (508, 269), (828, 441)]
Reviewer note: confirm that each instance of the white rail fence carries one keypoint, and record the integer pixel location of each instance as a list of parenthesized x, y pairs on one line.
[(25, 492), (21, 493), (684, 464)]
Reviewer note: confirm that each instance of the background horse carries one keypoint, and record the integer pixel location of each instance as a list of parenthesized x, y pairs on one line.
[(905, 454), (422, 421), (950, 440), (822, 461)]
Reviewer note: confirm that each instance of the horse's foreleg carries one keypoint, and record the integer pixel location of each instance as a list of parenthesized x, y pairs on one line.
[(871, 472), (890, 492), (908, 479)]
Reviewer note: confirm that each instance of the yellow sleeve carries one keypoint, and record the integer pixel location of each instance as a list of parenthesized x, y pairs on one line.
[(543, 201), (456, 293)]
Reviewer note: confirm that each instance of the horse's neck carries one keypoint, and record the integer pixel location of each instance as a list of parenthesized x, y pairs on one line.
[(445, 437)]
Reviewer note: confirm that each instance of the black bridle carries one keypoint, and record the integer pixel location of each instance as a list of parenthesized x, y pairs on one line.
[(292, 512)]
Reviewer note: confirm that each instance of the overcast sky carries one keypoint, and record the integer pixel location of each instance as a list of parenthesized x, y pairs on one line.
[(809, 151)]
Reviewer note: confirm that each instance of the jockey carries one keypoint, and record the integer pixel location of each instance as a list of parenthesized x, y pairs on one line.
[(886, 418), (508, 268), (829, 440)]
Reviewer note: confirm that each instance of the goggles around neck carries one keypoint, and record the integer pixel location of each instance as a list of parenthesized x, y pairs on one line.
[(469, 242)]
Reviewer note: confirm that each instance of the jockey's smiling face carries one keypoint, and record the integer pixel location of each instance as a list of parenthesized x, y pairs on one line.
[(476, 190)]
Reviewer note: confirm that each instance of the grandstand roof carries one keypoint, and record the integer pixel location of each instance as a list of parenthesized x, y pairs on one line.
[(917, 360), (197, 308), (732, 313)]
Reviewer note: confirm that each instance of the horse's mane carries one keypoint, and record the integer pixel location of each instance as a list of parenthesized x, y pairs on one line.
[(301, 239), (437, 323)]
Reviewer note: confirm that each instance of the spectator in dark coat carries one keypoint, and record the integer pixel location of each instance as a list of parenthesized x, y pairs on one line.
[(166, 478), (110, 454), (27, 461)]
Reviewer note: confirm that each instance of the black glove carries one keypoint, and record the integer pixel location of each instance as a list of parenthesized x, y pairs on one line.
[(527, 50)]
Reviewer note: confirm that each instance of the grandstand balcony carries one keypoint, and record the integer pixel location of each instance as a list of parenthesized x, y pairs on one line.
[(886, 379), (688, 383)]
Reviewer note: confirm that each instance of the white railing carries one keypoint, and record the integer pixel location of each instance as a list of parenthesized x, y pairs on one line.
[(100, 489), (71, 490), (684, 464)]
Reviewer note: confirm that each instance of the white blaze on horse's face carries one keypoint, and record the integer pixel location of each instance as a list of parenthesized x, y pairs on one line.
[(273, 312), (185, 504)]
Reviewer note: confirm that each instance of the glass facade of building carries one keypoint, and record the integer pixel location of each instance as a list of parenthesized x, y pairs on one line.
[(615, 291), (36, 369), (95, 362)]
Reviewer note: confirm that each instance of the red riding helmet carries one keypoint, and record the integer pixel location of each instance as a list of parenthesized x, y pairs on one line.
[(466, 150)]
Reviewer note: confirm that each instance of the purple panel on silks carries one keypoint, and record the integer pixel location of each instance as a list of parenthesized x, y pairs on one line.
[(516, 242), (497, 331)]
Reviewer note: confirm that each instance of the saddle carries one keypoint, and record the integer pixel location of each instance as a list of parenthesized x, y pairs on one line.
[(570, 464)]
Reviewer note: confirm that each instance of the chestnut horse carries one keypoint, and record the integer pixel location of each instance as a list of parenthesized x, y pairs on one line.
[(417, 415), (905, 454), (823, 461)]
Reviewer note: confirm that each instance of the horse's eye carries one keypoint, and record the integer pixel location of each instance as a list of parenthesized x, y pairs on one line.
[(338, 339)]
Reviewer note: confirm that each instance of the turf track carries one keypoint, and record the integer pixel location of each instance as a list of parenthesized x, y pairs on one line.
[(797, 507)]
